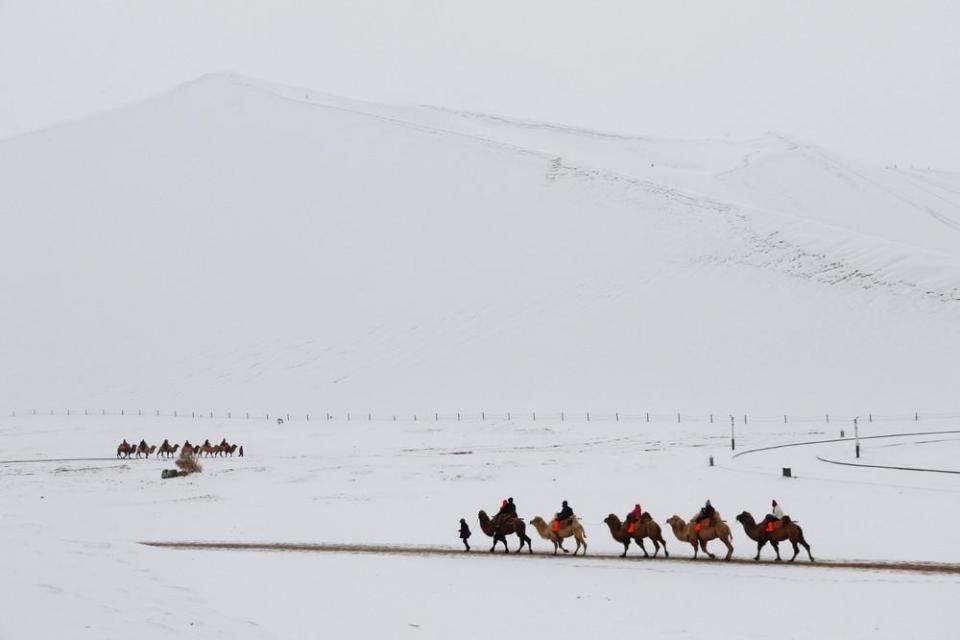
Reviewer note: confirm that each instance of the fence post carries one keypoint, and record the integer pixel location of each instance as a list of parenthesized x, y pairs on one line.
[(733, 438), (348, 417), (678, 418), (562, 416), (68, 412), (193, 414), (211, 415), (230, 417), (856, 435), (916, 416), (458, 416), (588, 416), (394, 418), (744, 419), (248, 415), (483, 416), (174, 413), (268, 416), (711, 418), (617, 414), (436, 416), (534, 416), (828, 418), (508, 416), (84, 412), (648, 418), (784, 418), (870, 417), (414, 417), (369, 416)]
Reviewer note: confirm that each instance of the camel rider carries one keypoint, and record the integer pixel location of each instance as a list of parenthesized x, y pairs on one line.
[(634, 516), (565, 514), (775, 515), (706, 513), (507, 510)]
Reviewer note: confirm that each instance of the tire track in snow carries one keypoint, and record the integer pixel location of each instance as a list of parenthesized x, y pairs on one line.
[(433, 551)]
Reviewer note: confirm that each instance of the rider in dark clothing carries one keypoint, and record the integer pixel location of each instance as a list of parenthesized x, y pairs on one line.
[(565, 512), (511, 507), (706, 512)]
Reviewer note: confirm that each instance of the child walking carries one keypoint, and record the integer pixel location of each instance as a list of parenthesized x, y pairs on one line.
[(464, 534)]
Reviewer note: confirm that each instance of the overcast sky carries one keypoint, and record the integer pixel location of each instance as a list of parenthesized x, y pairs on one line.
[(880, 80)]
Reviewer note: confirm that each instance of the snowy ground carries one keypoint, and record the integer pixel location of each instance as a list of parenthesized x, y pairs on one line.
[(75, 528)]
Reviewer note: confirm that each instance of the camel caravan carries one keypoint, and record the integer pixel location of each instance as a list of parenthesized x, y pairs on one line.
[(166, 450), (706, 525)]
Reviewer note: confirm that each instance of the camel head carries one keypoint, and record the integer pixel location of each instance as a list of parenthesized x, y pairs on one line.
[(676, 522), (538, 522), (746, 518), (612, 521)]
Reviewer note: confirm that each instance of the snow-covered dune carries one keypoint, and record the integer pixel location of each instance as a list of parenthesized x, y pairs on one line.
[(240, 245)]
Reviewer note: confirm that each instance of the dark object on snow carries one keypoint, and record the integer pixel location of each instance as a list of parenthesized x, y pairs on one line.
[(171, 473), (464, 534), (787, 472)]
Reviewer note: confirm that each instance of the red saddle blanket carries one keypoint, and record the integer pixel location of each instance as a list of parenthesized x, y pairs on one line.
[(776, 524), (704, 524), (632, 528)]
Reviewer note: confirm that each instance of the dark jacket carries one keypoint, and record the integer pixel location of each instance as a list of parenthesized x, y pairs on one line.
[(706, 512), (565, 513), (464, 530)]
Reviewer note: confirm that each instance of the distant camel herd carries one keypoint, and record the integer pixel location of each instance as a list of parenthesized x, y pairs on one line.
[(695, 534), (166, 450)]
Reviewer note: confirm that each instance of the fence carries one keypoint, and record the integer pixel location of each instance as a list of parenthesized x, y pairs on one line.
[(508, 416)]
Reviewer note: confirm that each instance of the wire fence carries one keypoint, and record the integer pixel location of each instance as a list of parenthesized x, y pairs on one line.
[(498, 416)]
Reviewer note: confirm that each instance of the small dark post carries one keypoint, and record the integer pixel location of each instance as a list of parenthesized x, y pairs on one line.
[(711, 461), (458, 416), (508, 415), (678, 418), (828, 418), (744, 419), (174, 413), (648, 418), (870, 417), (534, 416), (916, 416), (562, 417), (248, 415), (588, 416), (711, 418), (230, 416), (733, 439), (617, 414), (856, 435), (193, 414), (784, 418), (787, 472), (436, 417), (483, 416)]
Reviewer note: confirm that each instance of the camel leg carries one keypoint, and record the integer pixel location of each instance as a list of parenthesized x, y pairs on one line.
[(806, 546), (776, 547), (726, 541), (760, 544), (695, 549), (559, 541), (643, 548), (584, 543), (703, 545), (663, 543), (529, 543), (625, 546)]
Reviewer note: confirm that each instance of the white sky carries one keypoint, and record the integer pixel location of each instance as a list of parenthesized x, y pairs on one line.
[(880, 80)]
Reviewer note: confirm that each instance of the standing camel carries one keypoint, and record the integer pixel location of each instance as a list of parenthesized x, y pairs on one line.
[(788, 530), (574, 528), (717, 528), (502, 529), (645, 528)]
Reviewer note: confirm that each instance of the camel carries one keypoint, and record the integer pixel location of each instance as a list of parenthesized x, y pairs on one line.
[(717, 528), (207, 448), (224, 449), (789, 530), (124, 450), (148, 451), (166, 450), (502, 529), (646, 528), (572, 528)]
